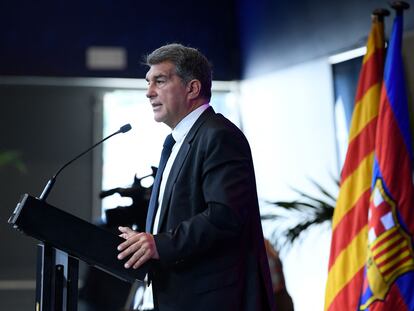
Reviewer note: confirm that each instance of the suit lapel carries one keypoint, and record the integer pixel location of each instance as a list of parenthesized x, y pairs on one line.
[(178, 163)]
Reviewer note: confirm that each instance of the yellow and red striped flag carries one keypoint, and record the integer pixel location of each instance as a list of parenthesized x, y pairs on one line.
[(349, 226)]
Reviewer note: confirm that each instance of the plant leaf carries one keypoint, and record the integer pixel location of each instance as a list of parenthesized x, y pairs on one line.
[(12, 158)]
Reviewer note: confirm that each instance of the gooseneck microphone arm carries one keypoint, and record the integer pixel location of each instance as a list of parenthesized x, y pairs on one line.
[(51, 181)]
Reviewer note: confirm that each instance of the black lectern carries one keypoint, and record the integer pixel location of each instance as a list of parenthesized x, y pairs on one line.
[(66, 239)]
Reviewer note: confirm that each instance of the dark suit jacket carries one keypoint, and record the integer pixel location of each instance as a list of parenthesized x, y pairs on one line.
[(210, 240)]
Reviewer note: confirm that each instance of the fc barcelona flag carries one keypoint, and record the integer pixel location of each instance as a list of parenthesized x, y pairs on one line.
[(372, 260), (388, 282)]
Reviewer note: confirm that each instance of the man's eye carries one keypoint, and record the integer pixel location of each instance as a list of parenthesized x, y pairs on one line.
[(160, 81)]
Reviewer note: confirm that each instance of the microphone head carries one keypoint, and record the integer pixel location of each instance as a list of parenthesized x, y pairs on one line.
[(125, 128)]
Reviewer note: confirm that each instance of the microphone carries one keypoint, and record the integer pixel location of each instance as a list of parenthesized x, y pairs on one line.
[(123, 129)]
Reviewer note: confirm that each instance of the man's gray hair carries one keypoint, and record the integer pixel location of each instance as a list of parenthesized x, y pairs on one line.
[(189, 64)]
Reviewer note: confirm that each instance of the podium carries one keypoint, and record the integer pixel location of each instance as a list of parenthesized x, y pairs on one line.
[(66, 239)]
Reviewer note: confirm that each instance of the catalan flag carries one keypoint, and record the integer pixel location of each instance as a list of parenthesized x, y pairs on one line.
[(388, 280), (350, 221)]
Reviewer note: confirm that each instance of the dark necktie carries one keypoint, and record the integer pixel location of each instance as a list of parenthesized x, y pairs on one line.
[(153, 204)]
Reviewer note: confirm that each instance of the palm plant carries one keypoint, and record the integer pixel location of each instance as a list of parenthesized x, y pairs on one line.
[(297, 216), (12, 158)]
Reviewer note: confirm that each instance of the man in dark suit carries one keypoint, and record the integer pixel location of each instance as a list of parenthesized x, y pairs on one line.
[(204, 238)]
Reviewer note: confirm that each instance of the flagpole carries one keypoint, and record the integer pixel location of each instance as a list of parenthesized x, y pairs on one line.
[(380, 14), (400, 6)]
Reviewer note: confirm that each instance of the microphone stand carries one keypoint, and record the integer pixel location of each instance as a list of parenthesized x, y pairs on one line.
[(57, 273), (52, 181)]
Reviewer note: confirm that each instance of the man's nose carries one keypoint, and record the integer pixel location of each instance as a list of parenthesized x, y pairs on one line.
[(150, 91)]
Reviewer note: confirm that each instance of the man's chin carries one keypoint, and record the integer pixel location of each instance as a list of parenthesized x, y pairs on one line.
[(158, 118)]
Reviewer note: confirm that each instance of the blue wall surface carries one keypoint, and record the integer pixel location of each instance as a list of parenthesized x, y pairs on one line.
[(242, 38)]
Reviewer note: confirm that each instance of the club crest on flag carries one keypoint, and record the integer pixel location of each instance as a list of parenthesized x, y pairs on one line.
[(390, 251)]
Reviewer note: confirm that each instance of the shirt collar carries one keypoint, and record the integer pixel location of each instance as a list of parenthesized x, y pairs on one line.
[(184, 126)]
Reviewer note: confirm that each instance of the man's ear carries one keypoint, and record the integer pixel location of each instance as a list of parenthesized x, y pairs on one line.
[(194, 88)]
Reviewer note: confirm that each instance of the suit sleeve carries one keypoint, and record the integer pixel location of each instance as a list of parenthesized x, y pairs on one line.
[(228, 188)]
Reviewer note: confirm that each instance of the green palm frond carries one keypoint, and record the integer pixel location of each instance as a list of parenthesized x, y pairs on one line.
[(12, 158), (301, 214)]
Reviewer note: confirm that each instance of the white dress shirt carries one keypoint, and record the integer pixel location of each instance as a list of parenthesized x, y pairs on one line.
[(179, 133)]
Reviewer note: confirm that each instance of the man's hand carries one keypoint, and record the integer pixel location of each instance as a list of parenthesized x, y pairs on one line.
[(140, 245)]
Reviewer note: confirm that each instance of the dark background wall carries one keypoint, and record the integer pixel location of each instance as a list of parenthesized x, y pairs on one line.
[(241, 37), (51, 37), (47, 125), (279, 34)]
